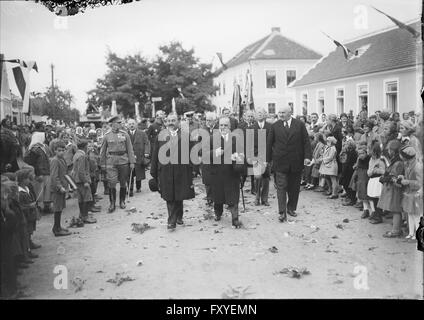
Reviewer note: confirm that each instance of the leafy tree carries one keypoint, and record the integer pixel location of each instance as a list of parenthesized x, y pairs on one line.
[(135, 79), (54, 103)]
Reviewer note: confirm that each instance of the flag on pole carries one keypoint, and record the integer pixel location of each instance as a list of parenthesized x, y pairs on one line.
[(237, 99), (219, 54), (21, 75), (248, 91), (346, 51), (401, 25)]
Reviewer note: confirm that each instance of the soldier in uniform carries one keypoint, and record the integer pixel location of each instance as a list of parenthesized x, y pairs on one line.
[(117, 158)]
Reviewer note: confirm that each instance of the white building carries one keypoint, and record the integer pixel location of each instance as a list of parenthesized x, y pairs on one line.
[(387, 74), (5, 94), (273, 62)]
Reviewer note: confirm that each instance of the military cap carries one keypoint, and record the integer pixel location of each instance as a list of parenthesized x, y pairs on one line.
[(114, 119)]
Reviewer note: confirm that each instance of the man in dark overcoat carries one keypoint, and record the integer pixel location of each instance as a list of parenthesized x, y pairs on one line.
[(289, 149), (225, 176), (141, 146), (172, 172)]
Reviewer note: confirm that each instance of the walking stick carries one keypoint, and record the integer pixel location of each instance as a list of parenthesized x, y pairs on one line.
[(129, 181), (242, 193)]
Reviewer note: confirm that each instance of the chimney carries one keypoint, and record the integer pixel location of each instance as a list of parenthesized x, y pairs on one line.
[(275, 29)]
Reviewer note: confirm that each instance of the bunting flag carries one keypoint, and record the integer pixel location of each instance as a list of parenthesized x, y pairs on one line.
[(21, 75), (401, 25), (22, 63), (219, 54), (346, 51)]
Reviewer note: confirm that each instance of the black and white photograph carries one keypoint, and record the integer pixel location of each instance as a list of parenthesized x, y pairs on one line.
[(187, 150)]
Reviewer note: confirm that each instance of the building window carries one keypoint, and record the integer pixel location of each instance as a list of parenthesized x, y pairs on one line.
[(363, 97), (223, 88), (271, 108), (321, 102), (291, 105), (271, 79), (220, 89), (290, 76), (391, 91), (340, 101), (305, 104)]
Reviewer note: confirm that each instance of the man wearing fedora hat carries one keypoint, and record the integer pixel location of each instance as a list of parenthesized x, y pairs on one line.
[(117, 158)]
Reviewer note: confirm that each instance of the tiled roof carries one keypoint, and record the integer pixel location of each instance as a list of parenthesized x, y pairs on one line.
[(273, 46), (392, 49)]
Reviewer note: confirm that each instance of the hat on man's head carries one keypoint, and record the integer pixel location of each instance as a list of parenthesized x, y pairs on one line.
[(115, 118)]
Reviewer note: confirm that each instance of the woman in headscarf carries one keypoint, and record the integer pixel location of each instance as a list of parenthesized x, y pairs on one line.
[(38, 156)]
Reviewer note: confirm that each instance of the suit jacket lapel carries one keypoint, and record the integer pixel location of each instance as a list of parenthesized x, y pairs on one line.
[(291, 129), (283, 129)]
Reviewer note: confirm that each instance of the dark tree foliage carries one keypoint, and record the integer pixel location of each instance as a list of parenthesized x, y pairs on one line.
[(72, 7), (135, 79)]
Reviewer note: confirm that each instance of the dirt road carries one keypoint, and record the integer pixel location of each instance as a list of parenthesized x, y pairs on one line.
[(346, 256)]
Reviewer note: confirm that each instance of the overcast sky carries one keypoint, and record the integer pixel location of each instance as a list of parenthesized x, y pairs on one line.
[(28, 31)]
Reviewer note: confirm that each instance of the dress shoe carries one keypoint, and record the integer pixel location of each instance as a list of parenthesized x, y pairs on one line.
[(180, 221), (257, 203), (95, 209), (282, 217), (111, 208), (327, 193), (171, 226), (32, 255), (217, 218), (266, 203), (60, 233), (34, 246), (292, 213), (237, 224), (131, 193), (122, 205), (138, 191), (376, 220), (333, 196), (89, 220)]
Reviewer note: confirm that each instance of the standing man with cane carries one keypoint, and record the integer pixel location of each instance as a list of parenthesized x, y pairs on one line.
[(117, 158)]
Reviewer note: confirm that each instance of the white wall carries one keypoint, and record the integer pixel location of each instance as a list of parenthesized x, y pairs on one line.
[(409, 84), (281, 95)]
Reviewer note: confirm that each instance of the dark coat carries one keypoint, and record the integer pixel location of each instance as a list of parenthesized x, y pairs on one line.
[(141, 145), (206, 168), (175, 180), (38, 157), (267, 128), (288, 151), (225, 180)]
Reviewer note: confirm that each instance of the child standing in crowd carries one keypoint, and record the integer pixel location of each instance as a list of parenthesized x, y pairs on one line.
[(412, 201), (81, 176), (59, 185), (348, 159), (94, 175), (376, 169), (359, 181), (329, 166), (317, 159), (391, 193), (27, 202)]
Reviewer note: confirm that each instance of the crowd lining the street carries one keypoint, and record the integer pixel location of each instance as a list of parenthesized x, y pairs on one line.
[(372, 161)]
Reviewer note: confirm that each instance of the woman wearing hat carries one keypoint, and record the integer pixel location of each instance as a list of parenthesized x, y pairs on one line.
[(329, 165), (407, 138), (412, 201)]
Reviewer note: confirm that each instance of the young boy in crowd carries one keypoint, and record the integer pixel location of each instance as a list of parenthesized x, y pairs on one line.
[(59, 185), (81, 176)]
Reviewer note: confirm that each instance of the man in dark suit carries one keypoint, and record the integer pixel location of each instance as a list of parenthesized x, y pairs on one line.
[(225, 176), (233, 121), (154, 129), (289, 149), (141, 147), (173, 177), (247, 123), (261, 182)]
